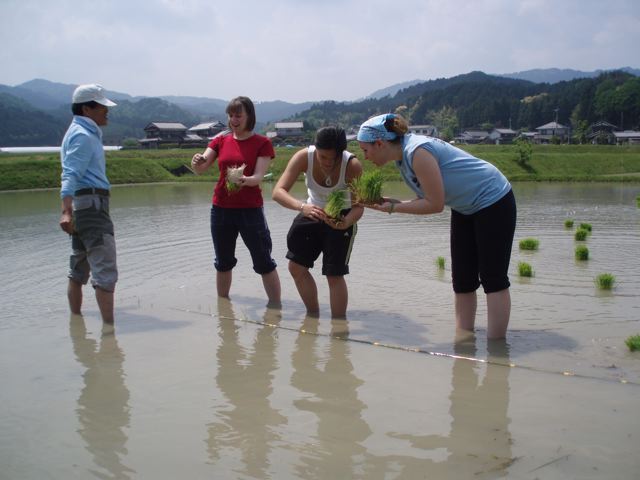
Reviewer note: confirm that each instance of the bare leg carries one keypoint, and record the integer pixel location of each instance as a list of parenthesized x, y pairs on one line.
[(338, 295), (498, 312), (271, 282), (74, 294), (223, 283), (466, 304), (105, 303), (306, 286)]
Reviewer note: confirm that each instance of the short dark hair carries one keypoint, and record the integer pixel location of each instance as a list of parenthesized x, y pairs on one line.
[(76, 108), (245, 103), (331, 138)]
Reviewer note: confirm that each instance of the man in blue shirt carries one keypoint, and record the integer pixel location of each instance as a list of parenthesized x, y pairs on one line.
[(85, 192)]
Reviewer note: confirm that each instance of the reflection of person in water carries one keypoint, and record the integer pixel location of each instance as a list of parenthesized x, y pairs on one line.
[(479, 443), (103, 408), (330, 389), (248, 422)]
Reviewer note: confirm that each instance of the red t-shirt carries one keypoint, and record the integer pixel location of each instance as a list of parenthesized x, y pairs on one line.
[(233, 153)]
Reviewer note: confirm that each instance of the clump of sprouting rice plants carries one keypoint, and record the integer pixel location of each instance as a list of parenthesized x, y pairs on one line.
[(581, 234), (638, 201), (633, 342), (582, 253), (586, 226), (367, 188), (529, 244), (335, 203), (440, 262), (605, 281), (234, 174), (524, 269), (568, 223)]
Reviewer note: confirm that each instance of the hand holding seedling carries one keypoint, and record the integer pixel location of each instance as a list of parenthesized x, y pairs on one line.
[(313, 212)]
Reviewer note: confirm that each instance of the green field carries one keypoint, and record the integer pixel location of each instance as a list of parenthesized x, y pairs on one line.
[(547, 163)]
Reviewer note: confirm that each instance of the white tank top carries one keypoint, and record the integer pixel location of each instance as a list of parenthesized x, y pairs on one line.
[(318, 193)]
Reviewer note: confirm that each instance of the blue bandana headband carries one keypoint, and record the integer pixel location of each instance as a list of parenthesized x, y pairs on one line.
[(374, 129)]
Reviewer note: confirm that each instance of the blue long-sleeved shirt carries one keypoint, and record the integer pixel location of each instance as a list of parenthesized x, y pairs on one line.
[(82, 157)]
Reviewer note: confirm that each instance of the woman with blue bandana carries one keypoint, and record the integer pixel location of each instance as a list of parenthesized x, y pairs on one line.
[(483, 211)]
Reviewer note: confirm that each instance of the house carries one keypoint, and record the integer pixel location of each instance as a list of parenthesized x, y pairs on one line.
[(163, 132), (601, 132), (429, 130), (551, 130), (289, 129), (472, 136), (207, 130), (627, 136), (502, 135)]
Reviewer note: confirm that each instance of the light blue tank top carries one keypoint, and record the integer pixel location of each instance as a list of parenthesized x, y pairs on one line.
[(470, 184)]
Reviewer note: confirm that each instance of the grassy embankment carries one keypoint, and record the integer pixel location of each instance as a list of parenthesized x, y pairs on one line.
[(547, 163)]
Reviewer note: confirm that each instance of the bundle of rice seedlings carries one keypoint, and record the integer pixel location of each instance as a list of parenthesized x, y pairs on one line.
[(633, 342), (605, 281), (367, 188), (524, 269), (234, 174), (586, 226), (582, 253), (529, 244), (440, 261), (335, 203), (581, 234), (568, 223)]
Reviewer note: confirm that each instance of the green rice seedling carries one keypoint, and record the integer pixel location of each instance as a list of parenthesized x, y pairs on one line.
[(367, 188), (605, 281), (440, 263), (233, 175), (586, 226), (638, 201), (568, 223), (633, 342), (581, 234), (582, 253), (335, 203), (529, 244), (524, 269)]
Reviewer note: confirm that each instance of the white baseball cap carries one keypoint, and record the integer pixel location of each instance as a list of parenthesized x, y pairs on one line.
[(91, 92)]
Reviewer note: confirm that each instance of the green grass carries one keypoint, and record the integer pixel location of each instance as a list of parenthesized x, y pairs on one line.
[(633, 342), (548, 163), (524, 269), (581, 234), (335, 203), (529, 244), (367, 188), (605, 281), (582, 253), (568, 223)]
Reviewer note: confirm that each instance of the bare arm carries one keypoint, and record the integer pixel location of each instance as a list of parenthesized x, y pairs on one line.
[(428, 172), (66, 222), (296, 166), (262, 164), (202, 161)]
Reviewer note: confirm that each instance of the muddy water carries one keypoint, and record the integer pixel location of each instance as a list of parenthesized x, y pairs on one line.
[(192, 387)]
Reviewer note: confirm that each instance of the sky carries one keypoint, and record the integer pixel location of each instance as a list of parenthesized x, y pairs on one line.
[(304, 50)]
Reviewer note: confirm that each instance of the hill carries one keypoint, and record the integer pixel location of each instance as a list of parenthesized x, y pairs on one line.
[(555, 75)]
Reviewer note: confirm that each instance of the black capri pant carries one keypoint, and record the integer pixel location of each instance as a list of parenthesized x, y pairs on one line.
[(481, 246)]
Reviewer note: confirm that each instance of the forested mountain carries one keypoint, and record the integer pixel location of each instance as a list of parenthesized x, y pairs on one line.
[(478, 100), (38, 112)]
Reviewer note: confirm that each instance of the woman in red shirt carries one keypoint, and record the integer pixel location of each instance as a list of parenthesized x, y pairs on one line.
[(237, 204)]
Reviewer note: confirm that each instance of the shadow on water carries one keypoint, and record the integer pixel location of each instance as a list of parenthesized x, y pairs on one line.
[(479, 443), (103, 404), (246, 421)]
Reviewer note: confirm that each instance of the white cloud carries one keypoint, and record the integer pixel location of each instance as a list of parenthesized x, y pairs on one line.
[(304, 50)]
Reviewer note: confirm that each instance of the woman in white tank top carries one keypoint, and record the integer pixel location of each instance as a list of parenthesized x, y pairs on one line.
[(327, 167)]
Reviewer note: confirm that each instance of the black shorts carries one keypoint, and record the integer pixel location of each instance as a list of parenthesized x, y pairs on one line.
[(307, 239), (481, 247)]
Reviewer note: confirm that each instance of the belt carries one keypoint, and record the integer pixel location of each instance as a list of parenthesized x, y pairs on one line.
[(92, 191)]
